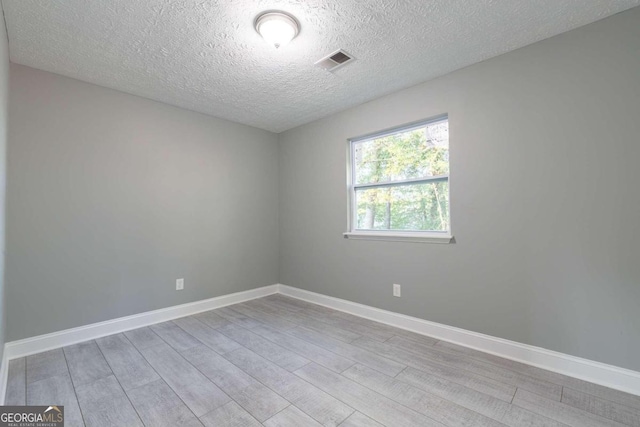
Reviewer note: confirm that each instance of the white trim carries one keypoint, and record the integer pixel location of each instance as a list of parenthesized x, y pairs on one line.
[(38, 344), (401, 183), (407, 127), (595, 372), (352, 187), (4, 376), (399, 236)]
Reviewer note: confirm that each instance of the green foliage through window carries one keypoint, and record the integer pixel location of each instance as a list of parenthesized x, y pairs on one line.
[(401, 180)]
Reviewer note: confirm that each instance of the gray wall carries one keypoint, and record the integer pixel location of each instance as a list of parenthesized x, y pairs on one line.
[(112, 197), (545, 152), (4, 100)]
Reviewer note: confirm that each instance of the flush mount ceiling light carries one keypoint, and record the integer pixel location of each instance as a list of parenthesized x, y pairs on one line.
[(277, 28)]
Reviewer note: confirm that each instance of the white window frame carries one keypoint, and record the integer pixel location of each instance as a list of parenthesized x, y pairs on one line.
[(392, 235)]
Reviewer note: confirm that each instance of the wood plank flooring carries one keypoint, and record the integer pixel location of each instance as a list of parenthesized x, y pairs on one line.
[(278, 361)]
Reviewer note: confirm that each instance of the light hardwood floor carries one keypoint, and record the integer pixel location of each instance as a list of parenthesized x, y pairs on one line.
[(278, 361)]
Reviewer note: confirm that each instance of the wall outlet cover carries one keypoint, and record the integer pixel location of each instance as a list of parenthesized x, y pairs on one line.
[(396, 290), (179, 284)]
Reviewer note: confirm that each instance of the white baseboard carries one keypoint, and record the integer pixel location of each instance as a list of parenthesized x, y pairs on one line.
[(38, 344), (4, 376), (595, 372)]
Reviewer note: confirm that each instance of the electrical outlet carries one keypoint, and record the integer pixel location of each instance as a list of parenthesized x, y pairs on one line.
[(179, 284), (396, 290)]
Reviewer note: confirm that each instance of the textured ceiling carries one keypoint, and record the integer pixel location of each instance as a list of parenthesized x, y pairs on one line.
[(204, 55)]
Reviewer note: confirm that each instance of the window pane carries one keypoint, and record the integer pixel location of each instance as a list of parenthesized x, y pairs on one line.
[(405, 155), (423, 207)]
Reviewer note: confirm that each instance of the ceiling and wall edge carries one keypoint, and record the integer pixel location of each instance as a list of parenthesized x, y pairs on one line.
[(207, 57)]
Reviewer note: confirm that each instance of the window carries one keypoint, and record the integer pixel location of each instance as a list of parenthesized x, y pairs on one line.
[(399, 183)]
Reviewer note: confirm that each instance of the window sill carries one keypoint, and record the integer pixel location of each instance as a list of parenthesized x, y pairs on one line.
[(398, 236)]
